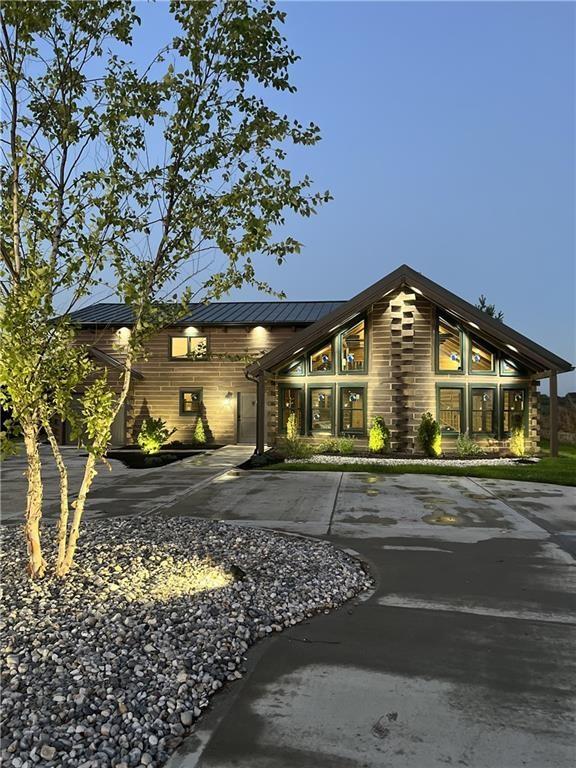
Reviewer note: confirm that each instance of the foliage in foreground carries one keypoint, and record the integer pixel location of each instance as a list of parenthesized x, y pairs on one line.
[(85, 203), (517, 442), (379, 436), (465, 446), (199, 432)]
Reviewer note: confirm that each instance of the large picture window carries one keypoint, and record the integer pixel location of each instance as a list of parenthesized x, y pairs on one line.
[(451, 410), (449, 347), (513, 409), (483, 407), (321, 410), (322, 361), (189, 347), (353, 410), (353, 348), (291, 401)]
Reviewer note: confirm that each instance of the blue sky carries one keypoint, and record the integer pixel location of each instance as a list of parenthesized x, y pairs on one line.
[(448, 144)]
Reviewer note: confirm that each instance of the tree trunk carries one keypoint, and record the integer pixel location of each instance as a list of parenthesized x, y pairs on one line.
[(89, 474), (64, 506), (36, 562)]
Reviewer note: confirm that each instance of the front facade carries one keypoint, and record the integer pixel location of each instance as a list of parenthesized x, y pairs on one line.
[(403, 347)]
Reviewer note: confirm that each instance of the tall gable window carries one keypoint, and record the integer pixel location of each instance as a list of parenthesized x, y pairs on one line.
[(482, 360), (189, 348), (322, 361), (353, 348), (449, 347)]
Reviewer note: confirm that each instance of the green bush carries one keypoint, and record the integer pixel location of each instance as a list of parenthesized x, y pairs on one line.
[(379, 436), (517, 442), (199, 432), (153, 434), (297, 449), (342, 445), (430, 436), (465, 446)]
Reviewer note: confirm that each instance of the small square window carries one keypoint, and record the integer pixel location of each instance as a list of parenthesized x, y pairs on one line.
[(190, 401)]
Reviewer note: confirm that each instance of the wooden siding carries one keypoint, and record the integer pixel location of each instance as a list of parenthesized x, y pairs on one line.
[(158, 393)]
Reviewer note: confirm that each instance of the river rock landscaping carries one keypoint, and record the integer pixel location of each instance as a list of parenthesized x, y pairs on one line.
[(112, 666), (321, 458)]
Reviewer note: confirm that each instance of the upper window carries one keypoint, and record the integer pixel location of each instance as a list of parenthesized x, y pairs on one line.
[(291, 402), (513, 409), (189, 347), (322, 361), (482, 360), (353, 348), (483, 404), (449, 347), (321, 410), (190, 401), (511, 368), (450, 407), (296, 368), (352, 410)]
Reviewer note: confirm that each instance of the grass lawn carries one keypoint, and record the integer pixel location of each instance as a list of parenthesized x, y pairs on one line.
[(561, 471)]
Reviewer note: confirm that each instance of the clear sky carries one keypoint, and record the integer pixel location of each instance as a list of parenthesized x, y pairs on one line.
[(448, 144)]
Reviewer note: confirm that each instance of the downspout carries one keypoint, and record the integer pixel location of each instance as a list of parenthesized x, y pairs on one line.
[(260, 382)]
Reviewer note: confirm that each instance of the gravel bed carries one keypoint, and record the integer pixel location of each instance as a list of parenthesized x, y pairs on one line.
[(112, 666), (324, 459)]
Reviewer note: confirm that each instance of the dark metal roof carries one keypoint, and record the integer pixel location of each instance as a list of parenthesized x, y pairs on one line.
[(217, 313), (486, 327)]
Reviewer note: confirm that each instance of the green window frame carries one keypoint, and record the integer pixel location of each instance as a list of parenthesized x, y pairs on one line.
[(513, 408), (353, 348), (484, 411), (353, 401), (478, 352), (449, 346), (190, 401), (321, 360), (321, 409), (194, 348), (450, 409), (290, 398), (295, 368), (509, 367)]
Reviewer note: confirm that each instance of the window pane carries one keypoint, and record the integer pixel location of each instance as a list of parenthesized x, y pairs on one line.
[(353, 354), (451, 410), (513, 409), (481, 359), (449, 347), (322, 360), (321, 402), (197, 347), (179, 346), (294, 369), (190, 401), (510, 368), (291, 402), (352, 404), (483, 401)]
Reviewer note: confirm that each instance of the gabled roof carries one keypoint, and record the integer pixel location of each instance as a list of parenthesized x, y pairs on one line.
[(216, 313), (482, 325)]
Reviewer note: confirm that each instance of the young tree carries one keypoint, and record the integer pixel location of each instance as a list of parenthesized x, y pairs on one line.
[(490, 309), (91, 200)]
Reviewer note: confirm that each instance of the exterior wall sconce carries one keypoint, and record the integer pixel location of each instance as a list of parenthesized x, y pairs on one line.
[(228, 398)]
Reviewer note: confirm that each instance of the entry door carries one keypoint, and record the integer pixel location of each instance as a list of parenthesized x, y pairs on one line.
[(246, 417)]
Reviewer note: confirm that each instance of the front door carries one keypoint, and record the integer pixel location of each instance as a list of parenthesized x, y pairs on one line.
[(246, 417)]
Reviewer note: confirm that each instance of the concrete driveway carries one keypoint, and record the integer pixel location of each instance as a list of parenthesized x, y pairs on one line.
[(462, 655)]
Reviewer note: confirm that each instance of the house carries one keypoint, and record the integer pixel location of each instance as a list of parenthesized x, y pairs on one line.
[(402, 347)]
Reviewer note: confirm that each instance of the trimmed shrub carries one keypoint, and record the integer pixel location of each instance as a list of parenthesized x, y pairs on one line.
[(297, 449), (341, 445), (465, 446), (517, 442), (153, 434), (199, 432), (430, 436), (379, 436)]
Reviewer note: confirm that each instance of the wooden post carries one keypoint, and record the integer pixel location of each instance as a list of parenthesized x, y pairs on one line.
[(260, 414), (554, 414)]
